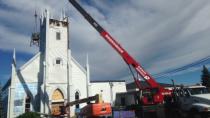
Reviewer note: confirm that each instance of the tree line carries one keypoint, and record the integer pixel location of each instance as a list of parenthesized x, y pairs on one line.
[(205, 77)]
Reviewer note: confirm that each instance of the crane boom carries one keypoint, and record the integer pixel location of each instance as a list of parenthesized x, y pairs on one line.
[(97, 98), (123, 53)]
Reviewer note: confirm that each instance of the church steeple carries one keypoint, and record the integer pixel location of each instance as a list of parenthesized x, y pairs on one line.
[(88, 77), (53, 33), (14, 58), (10, 112), (13, 74), (55, 50)]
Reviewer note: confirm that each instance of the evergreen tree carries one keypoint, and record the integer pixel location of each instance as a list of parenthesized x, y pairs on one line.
[(205, 77)]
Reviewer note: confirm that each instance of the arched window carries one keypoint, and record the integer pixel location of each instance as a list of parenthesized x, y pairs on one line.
[(57, 95), (77, 98), (57, 102), (27, 103)]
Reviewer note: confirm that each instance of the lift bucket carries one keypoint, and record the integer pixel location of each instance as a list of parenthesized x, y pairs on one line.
[(96, 110)]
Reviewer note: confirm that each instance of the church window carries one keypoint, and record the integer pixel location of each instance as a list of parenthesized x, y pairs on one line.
[(58, 61), (27, 104), (123, 101), (77, 98), (57, 103), (57, 95), (58, 35)]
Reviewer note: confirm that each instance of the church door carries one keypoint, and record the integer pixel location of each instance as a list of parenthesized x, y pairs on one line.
[(57, 103)]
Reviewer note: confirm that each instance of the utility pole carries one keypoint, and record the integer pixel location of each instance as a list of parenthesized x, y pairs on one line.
[(111, 92)]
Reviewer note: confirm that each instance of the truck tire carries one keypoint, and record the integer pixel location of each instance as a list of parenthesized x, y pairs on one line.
[(194, 114), (204, 115)]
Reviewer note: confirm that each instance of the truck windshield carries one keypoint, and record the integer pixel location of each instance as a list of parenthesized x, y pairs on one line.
[(195, 91)]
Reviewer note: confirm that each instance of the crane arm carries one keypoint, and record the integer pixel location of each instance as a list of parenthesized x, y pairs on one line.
[(123, 53), (97, 98)]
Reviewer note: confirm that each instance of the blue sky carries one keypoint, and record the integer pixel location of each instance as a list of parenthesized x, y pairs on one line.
[(162, 35)]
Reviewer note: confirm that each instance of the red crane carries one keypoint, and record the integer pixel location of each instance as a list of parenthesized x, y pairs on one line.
[(158, 91)]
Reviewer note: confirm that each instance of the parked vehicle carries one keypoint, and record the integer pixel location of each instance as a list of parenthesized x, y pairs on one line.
[(193, 101), (131, 102)]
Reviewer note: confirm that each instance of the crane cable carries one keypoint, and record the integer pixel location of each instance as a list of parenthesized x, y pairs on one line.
[(138, 84)]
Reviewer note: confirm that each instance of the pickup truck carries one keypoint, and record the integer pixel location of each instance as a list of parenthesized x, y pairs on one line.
[(193, 101)]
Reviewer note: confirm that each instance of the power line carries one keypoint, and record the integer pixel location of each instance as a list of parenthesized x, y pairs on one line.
[(188, 68)]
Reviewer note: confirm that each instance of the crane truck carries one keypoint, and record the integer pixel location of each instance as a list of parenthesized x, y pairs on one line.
[(157, 93)]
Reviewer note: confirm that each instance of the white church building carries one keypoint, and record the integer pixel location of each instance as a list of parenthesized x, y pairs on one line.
[(53, 77)]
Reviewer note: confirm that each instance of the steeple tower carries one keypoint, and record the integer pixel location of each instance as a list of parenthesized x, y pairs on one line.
[(55, 52), (12, 87), (88, 77), (14, 58)]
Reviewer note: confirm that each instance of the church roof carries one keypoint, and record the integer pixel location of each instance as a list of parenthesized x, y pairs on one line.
[(30, 61), (77, 63), (101, 81)]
